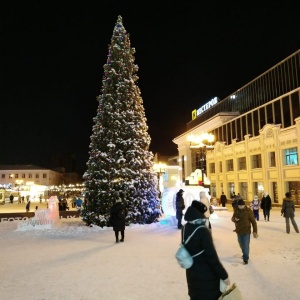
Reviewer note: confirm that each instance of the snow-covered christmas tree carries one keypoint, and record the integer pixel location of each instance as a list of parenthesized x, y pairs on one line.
[(120, 164)]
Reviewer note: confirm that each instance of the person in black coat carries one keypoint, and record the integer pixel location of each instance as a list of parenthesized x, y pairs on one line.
[(223, 199), (266, 205), (203, 278), (118, 214), (179, 207)]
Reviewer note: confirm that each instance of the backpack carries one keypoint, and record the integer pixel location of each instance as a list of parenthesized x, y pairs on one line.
[(121, 214), (184, 258)]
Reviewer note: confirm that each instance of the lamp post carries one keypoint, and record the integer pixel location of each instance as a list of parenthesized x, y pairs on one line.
[(201, 143), (160, 169)]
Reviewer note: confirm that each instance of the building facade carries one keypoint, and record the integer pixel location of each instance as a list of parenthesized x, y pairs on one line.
[(16, 175), (257, 137)]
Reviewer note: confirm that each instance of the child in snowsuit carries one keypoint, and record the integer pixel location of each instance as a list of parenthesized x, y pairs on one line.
[(255, 204)]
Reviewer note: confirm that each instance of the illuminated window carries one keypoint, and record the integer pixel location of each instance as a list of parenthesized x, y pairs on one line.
[(291, 156)]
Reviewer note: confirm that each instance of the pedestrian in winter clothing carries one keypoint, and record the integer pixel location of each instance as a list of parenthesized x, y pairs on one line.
[(266, 205), (223, 199), (205, 201), (179, 207), (27, 206), (288, 211), (11, 198), (118, 214), (203, 278), (255, 207), (243, 218)]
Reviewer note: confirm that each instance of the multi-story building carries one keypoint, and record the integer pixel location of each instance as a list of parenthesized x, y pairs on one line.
[(16, 175), (257, 137)]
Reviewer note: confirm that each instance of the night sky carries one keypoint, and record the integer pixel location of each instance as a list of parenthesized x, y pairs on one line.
[(52, 58)]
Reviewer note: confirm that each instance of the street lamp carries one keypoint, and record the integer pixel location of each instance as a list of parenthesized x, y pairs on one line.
[(201, 143), (160, 169)]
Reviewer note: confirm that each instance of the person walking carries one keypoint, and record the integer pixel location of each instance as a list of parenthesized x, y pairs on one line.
[(118, 215), (179, 207), (243, 218), (203, 278), (223, 199), (266, 205), (11, 198), (27, 207), (288, 211), (255, 204)]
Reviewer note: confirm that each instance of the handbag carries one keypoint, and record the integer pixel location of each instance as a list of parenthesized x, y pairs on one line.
[(211, 210), (233, 293), (184, 258)]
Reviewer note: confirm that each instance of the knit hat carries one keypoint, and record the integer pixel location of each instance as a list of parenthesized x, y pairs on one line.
[(241, 202), (199, 206), (181, 191)]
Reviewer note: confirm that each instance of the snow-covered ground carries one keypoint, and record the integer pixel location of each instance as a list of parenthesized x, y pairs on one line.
[(73, 261)]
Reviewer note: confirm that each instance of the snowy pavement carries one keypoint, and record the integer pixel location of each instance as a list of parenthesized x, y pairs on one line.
[(73, 261)]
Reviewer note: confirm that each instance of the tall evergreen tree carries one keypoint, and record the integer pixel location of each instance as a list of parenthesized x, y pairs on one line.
[(120, 164)]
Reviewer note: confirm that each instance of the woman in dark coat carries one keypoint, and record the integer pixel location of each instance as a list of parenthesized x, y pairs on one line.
[(288, 211), (266, 205), (118, 214), (203, 278)]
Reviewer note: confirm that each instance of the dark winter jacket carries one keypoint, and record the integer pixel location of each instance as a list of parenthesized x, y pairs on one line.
[(245, 218), (203, 278), (266, 203), (117, 222), (179, 205), (288, 208)]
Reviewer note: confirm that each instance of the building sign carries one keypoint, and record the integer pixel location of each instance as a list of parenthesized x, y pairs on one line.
[(205, 107)]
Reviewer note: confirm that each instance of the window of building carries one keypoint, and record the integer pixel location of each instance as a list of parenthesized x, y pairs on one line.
[(37, 175), (2, 175), (269, 109), (291, 156), (256, 161), (229, 165), (243, 127), (221, 167), (44, 175), (255, 123), (272, 159), (242, 163), (29, 175), (212, 168), (295, 105), (249, 123), (262, 117), (23, 175), (286, 112), (11, 175), (16, 175), (277, 112)]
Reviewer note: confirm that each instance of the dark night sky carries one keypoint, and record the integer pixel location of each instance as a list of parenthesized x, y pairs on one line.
[(52, 59)]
